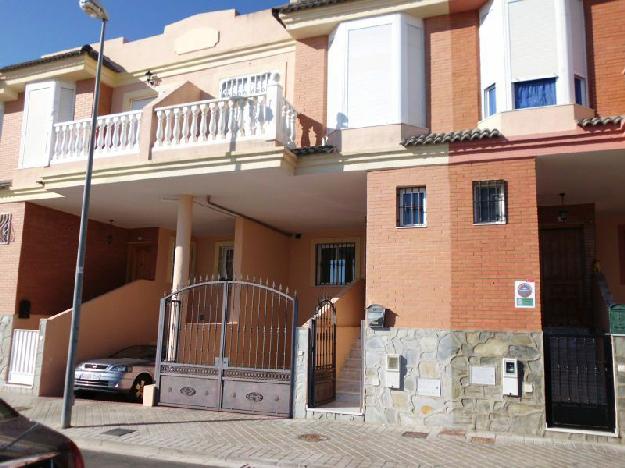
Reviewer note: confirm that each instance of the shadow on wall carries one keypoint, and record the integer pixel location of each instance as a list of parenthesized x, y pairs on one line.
[(123, 317)]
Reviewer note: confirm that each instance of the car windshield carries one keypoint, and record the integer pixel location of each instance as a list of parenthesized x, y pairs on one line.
[(6, 412), (136, 352)]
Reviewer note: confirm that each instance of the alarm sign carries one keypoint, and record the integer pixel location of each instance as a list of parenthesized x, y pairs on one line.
[(525, 294)]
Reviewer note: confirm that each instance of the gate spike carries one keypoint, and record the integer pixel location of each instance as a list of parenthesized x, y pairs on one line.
[(273, 285), (287, 291), (280, 287)]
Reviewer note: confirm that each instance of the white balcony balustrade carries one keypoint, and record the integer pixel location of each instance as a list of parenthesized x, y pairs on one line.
[(266, 116), (115, 134)]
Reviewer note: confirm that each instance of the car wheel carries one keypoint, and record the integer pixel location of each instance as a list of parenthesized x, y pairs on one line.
[(136, 391)]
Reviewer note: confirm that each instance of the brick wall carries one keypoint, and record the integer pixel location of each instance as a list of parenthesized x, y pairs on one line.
[(311, 58), (452, 71), (606, 55), (487, 259), (11, 137), (84, 99), (47, 263), (10, 258), (452, 274)]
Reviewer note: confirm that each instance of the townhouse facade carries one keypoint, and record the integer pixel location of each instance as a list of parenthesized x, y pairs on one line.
[(454, 165)]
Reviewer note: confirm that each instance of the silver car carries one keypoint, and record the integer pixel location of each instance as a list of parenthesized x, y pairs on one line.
[(126, 371)]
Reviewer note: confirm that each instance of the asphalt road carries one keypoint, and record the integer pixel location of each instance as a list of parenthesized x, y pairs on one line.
[(110, 460)]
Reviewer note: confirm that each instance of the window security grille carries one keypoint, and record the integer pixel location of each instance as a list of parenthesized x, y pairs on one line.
[(244, 85), (411, 209), (336, 263), (489, 202), (5, 228)]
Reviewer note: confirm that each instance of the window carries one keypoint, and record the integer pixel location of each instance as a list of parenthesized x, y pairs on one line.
[(535, 93), (490, 101), (225, 262), (5, 228), (244, 85), (411, 207), (580, 91), (140, 103), (336, 263), (489, 202)]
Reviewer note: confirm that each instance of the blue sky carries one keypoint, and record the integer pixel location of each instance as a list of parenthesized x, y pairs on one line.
[(31, 28)]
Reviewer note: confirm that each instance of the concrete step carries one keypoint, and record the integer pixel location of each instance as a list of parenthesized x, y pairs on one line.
[(335, 414)]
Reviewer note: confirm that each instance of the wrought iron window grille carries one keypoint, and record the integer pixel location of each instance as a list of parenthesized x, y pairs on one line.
[(335, 264), (411, 206), (490, 202), (5, 228)]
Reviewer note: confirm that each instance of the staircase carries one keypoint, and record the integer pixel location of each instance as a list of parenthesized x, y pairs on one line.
[(347, 405), (348, 381)]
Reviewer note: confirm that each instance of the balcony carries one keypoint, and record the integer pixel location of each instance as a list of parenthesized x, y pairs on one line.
[(116, 134), (266, 116), (255, 117)]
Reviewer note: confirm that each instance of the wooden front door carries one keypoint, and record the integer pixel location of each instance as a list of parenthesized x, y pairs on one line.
[(141, 261), (563, 285)]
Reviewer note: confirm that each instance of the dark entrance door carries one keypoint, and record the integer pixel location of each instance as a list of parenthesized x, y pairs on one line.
[(227, 345), (322, 355), (564, 298), (580, 385)]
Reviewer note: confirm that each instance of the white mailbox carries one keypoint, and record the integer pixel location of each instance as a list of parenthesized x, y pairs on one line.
[(510, 377), (393, 371)]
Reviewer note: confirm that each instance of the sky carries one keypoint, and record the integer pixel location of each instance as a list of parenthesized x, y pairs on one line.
[(31, 28)]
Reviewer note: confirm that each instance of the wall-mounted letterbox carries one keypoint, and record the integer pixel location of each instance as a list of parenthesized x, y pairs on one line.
[(375, 315)]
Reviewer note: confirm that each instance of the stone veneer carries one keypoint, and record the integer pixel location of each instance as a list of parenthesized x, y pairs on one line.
[(618, 351), (448, 355), (6, 330)]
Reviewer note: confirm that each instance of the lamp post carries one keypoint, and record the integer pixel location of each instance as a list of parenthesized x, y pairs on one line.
[(95, 10)]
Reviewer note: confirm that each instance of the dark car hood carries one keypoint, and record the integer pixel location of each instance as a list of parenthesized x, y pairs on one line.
[(32, 439)]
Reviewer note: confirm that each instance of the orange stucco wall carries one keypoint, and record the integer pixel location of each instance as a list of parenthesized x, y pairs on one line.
[(610, 236), (453, 274), (124, 317), (606, 60)]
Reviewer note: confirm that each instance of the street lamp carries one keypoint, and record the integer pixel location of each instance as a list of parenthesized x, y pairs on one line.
[(95, 10)]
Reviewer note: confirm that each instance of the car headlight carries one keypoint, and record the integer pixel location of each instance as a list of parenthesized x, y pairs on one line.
[(121, 369)]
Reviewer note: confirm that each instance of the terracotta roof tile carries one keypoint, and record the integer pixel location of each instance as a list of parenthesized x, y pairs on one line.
[(320, 149), (452, 137), (307, 4), (86, 49), (597, 121)]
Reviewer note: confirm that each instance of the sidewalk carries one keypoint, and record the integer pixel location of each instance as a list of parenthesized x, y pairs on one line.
[(228, 439)]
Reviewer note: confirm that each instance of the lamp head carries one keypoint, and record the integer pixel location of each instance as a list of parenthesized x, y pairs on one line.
[(93, 9)]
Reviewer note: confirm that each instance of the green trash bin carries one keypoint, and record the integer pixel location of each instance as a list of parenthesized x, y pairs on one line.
[(617, 319)]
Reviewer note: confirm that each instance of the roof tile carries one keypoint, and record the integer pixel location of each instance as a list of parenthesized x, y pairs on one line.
[(452, 137)]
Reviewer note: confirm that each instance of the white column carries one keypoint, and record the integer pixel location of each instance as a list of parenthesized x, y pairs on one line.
[(182, 249), (273, 127), (182, 256), (565, 85)]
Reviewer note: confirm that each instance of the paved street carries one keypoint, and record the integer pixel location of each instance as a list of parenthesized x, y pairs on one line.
[(226, 439), (110, 460)]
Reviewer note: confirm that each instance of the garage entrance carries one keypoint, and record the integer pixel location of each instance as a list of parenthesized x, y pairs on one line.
[(227, 345)]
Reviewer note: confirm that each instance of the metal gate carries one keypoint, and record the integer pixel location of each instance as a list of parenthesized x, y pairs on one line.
[(227, 345), (580, 384), (23, 356), (322, 355)]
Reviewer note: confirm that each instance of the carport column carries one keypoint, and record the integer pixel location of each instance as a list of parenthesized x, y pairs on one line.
[(182, 256)]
